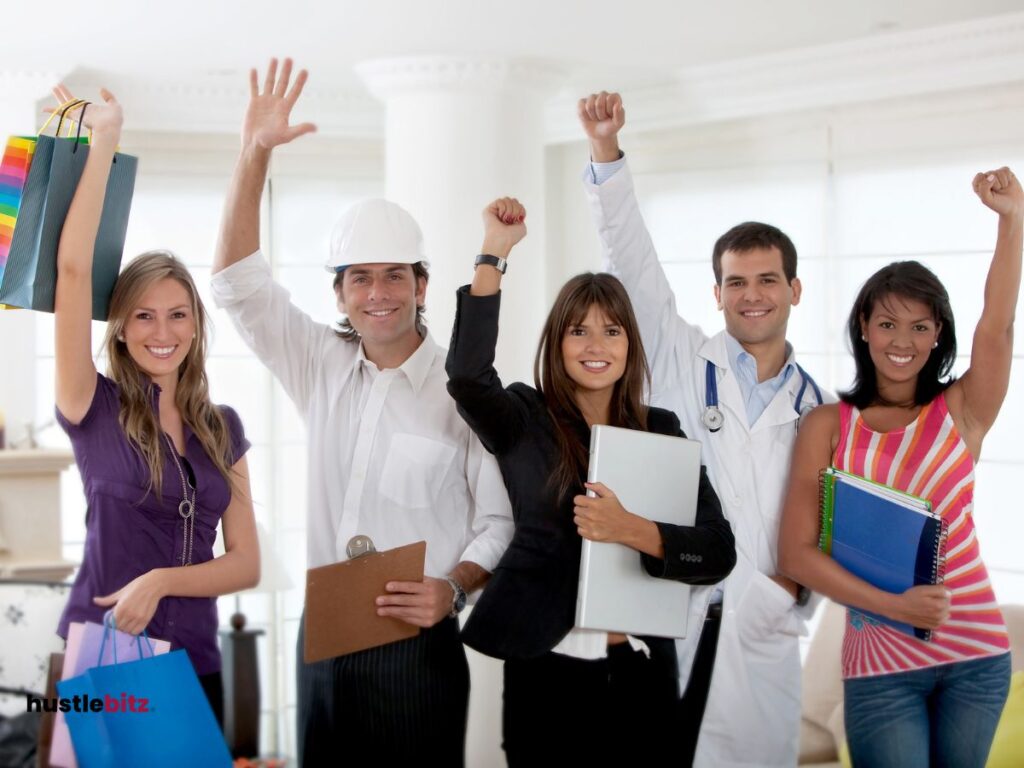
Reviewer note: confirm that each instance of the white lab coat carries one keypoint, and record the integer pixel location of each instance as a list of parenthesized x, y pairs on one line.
[(753, 708)]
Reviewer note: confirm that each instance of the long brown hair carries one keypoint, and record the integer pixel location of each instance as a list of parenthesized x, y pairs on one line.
[(627, 408), (137, 418)]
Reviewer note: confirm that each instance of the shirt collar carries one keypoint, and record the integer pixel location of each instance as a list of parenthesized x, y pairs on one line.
[(155, 393), (416, 366), (743, 363)]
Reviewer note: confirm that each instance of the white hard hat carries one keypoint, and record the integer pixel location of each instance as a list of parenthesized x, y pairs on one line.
[(375, 232)]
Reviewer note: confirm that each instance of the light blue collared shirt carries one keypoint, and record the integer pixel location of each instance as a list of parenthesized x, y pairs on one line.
[(756, 395)]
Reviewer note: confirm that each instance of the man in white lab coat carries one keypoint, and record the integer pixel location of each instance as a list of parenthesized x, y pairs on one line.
[(741, 393)]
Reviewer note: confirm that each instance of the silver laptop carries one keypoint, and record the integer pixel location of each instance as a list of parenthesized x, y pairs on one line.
[(657, 477)]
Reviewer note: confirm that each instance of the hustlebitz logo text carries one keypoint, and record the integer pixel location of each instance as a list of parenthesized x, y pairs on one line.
[(125, 703)]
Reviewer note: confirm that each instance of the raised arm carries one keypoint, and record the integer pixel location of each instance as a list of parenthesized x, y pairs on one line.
[(75, 370), (628, 250), (978, 395), (266, 126), (283, 337), (801, 560), (490, 410)]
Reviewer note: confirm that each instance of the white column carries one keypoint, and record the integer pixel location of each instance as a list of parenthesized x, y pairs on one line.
[(459, 133), (21, 96)]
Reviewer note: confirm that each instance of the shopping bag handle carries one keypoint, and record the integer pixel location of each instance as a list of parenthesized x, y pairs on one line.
[(62, 110), (78, 133), (110, 625)]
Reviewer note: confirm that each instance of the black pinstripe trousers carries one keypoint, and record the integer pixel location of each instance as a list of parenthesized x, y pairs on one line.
[(395, 703)]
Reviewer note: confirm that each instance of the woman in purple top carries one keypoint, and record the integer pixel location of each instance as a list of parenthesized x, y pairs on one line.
[(161, 465)]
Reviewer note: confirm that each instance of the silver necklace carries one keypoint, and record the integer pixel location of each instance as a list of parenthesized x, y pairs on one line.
[(187, 508)]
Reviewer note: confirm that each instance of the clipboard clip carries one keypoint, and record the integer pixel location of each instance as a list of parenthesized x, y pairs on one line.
[(359, 546)]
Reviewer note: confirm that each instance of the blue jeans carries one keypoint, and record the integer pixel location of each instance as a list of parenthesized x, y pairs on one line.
[(940, 716)]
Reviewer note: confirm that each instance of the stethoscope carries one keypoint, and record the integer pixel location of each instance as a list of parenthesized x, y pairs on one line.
[(713, 417)]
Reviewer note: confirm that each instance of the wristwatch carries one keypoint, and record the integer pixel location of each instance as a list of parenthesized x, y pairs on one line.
[(458, 597), (497, 262)]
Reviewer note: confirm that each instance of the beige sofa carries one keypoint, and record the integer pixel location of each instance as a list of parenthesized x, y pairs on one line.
[(821, 726)]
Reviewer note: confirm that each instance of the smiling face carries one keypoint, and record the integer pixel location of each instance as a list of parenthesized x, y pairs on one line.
[(380, 301), (901, 333), (594, 352), (755, 296), (160, 329)]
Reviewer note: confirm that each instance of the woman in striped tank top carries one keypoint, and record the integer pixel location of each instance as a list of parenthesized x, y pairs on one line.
[(907, 424)]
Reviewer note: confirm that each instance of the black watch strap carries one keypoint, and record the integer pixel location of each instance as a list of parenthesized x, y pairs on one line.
[(498, 263)]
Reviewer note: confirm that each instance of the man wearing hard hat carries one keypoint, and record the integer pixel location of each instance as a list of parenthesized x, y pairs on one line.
[(388, 456)]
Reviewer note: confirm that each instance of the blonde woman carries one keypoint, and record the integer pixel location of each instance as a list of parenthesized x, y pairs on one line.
[(161, 465)]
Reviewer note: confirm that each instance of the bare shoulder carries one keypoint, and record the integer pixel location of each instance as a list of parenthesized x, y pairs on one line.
[(820, 428), (954, 395), (822, 418), (972, 432)]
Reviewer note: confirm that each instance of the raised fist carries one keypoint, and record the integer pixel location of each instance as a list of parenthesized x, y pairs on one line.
[(504, 225), (1001, 191)]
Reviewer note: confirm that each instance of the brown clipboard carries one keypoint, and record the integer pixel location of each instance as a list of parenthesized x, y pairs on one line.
[(341, 610)]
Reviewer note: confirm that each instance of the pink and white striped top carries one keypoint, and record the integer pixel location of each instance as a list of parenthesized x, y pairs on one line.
[(927, 458)]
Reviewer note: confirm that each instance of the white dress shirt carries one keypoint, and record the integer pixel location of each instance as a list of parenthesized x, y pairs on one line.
[(389, 456)]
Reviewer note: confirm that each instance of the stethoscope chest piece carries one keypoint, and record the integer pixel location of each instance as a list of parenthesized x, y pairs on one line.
[(713, 418)]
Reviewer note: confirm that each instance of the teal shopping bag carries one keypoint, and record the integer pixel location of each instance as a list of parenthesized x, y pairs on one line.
[(150, 713), (30, 275)]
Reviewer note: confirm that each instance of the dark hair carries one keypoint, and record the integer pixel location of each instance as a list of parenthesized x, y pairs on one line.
[(908, 280), (344, 328), (575, 299), (750, 235)]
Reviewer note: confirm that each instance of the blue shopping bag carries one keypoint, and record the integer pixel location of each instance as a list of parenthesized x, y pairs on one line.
[(150, 713)]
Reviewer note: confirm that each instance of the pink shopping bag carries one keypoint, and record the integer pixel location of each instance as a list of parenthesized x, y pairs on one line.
[(82, 653)]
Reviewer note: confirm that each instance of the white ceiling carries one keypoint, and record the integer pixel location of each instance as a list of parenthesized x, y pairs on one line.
[(191, 42)]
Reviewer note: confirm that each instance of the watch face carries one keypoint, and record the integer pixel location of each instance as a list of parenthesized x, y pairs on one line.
[(460, 601)]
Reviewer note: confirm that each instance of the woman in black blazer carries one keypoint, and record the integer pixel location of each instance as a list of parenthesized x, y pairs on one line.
[(570, 694)]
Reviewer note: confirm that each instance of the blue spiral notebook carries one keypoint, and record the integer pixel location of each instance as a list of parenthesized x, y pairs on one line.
[(889, 538)]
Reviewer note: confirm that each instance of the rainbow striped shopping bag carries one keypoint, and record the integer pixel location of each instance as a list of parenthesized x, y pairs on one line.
[(30, 275), (14, 166)]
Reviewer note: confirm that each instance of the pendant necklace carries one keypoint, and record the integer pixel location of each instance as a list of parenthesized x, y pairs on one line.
[(187, 508)]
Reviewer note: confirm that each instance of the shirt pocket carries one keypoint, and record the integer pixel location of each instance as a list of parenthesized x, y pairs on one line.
[(415, 470)]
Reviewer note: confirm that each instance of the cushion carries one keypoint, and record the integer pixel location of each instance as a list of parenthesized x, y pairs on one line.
[(1008, 744), (822, 685), (816, 743)]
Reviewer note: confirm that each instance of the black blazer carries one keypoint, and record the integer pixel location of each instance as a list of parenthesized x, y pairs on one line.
[(529, 603)]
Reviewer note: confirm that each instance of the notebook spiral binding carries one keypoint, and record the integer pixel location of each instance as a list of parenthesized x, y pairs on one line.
[(939, 571), (938, 567), (825, 486)]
